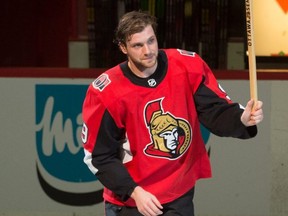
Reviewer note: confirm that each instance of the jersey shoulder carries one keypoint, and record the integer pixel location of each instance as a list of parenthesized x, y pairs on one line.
[(185, 57), (181, 54), (108, 87), (107, 81), (190, 61)]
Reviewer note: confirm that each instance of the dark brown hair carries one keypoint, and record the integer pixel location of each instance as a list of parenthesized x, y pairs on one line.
[(131, 23)]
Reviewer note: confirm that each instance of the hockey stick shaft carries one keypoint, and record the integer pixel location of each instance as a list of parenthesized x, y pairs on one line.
[(251, 51)]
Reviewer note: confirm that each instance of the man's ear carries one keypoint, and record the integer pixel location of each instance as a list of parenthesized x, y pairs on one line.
[(122, 47)]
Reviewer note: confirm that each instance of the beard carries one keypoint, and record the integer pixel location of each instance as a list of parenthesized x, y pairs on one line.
[(146, 63)]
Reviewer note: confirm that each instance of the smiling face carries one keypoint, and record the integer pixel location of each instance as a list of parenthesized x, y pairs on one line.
[(142, 51)]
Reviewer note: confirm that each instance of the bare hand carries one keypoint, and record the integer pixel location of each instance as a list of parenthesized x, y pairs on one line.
[(252, 116), (147, 203)]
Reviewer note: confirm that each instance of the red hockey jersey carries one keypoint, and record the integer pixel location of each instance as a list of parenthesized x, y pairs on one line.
[(146, 131)]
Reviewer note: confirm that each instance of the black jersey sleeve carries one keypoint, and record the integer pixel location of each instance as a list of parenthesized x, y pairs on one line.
[(220, 117), (106, 157)]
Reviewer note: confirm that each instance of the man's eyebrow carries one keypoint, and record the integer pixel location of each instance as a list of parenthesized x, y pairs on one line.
[(136, 43), (141, 43)]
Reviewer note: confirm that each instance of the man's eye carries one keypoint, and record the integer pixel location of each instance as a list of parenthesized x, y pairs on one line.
[(151, 40)]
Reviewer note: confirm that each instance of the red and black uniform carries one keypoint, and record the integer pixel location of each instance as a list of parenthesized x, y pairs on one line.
[(130, 121)]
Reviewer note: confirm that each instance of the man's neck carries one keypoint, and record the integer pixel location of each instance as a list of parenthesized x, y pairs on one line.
[(143, 73)]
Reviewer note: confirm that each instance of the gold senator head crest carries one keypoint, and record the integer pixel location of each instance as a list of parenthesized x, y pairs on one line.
[(170, 136)]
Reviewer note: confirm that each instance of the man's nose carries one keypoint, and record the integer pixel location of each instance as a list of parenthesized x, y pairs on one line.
[(146, 49)]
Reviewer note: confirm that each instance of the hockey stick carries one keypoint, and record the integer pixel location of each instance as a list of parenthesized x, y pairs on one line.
[(251, 51)]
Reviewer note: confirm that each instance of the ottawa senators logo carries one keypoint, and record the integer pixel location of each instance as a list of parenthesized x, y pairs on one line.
[(101, 82), (170, 136)]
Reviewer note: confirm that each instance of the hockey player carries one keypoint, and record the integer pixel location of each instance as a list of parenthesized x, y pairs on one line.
[(141, 131)]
